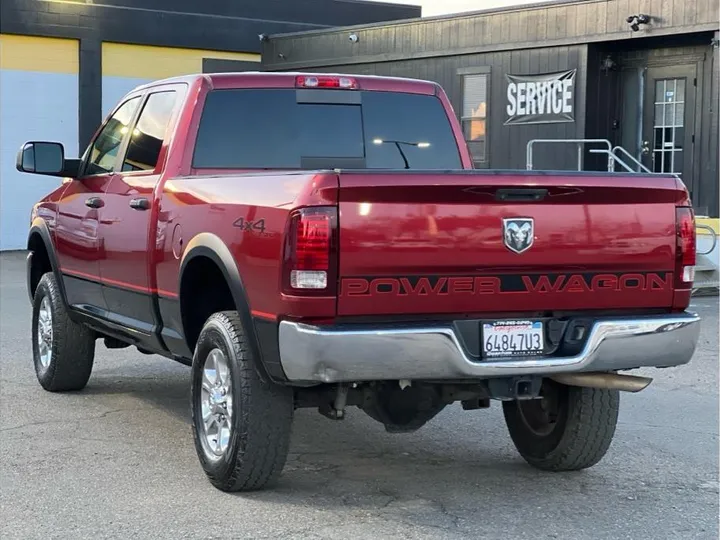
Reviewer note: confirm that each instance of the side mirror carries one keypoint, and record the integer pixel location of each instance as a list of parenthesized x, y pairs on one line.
[(41, 158)]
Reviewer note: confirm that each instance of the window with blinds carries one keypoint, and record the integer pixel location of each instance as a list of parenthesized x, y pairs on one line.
[(474, 115)]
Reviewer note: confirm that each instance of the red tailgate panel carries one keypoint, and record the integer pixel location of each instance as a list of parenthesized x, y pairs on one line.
[(433, 244)]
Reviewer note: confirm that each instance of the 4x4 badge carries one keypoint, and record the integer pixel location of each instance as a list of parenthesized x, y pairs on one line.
[(518, 234)]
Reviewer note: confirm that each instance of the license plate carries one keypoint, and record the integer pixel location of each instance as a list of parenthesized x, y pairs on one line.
[(513, 338)]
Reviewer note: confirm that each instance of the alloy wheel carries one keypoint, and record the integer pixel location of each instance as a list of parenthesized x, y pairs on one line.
[(45, 332), (216, 405)]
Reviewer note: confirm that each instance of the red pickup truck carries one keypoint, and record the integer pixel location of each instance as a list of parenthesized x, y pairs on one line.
[(323, 241)]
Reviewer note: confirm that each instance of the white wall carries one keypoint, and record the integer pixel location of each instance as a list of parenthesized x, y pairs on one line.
[(35, 104)]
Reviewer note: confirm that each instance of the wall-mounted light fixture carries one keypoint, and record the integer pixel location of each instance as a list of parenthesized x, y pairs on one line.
[(608, 64), (636, 20)]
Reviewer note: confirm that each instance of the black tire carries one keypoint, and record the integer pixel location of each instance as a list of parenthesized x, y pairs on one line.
[(261, 412), (71, 345), (570, 429)]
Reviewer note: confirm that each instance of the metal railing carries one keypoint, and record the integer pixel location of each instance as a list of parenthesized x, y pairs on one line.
[(612, 160), (633, 159), (707, 275), (578, 142), (714, 238), (612, 153)]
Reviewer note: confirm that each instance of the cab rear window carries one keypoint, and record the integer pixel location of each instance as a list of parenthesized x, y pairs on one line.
[(273, 129)]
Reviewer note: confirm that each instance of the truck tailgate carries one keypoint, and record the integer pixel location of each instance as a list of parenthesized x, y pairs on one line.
[(473, 242)]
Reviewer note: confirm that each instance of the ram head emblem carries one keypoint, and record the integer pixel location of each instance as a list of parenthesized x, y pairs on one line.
[(518, 234)]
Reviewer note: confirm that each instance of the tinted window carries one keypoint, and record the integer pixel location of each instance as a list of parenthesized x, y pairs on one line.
[(411, 126), (329, 130), (268, 128), (104, 149), (147, 138)]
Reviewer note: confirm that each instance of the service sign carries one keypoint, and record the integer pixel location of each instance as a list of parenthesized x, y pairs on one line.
[(541, 99)]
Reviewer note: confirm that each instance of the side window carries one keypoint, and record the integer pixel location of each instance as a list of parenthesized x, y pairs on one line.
[(146, 139), (104, 149), (475, 115)]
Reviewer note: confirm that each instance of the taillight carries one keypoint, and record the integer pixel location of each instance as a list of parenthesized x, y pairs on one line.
[(310, 259), (686, 248), (315, 81)]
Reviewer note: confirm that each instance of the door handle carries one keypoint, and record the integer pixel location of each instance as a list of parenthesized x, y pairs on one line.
[(520, 194), (140, 204), (646, 147), (94, 202)]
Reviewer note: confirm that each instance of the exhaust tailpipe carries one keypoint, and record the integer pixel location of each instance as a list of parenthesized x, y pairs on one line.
[(611, 381)]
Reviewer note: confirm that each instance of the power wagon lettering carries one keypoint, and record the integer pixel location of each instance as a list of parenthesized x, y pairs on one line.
[(536, 283)]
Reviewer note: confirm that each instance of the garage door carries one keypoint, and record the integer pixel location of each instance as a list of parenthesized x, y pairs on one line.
[(38, 101), (126, 66)]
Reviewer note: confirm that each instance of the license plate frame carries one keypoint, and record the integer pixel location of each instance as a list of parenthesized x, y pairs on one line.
[(526, 338)]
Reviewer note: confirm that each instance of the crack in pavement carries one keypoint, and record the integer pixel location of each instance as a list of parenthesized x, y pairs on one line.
[(62, 421), (454, 517), (675, 428)]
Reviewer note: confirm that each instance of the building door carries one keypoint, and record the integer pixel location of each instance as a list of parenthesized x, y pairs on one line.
[(669, 120)]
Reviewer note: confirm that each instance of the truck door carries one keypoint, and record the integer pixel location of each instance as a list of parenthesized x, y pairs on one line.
[(79, 244), (129, 219)]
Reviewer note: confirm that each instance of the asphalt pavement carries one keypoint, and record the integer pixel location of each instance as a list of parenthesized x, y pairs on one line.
[(117, 461)]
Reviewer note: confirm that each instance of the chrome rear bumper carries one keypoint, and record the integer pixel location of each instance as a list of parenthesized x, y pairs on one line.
[(365, 353)]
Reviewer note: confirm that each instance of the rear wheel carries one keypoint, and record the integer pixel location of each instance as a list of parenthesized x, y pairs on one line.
[(569, 429), (241, 424), (63, 351)]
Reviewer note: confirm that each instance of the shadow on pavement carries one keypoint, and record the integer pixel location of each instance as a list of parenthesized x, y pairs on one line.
[(355, 463)]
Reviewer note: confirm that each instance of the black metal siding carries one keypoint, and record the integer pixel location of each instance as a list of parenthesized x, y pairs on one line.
[(218, 65), (543, 25), (708, 166)]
